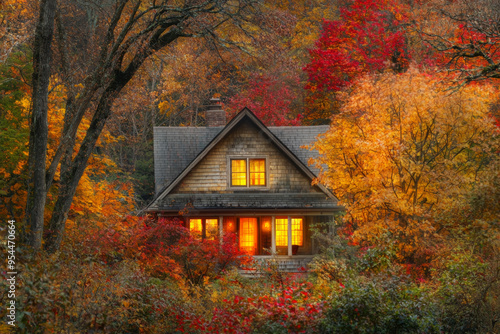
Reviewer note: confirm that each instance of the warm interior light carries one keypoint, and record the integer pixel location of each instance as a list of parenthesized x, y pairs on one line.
[(281, 232), (266, 226), (211, 228), (297, 232), (239, 172), (248, 234), (195, 227), (257, 172), (229, 224)]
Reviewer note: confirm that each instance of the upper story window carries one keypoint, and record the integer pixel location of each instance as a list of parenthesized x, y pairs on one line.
[(248, 172)]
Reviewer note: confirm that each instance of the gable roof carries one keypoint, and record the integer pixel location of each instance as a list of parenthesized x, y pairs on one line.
[(178, 150), (176, 147)]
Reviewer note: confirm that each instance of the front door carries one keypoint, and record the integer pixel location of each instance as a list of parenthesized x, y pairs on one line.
[(248, 235)]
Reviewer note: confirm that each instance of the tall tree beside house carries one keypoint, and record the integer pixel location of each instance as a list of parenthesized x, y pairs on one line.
[(100, 56), (42, 56)]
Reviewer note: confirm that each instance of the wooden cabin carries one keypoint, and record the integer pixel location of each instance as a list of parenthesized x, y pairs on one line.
[(246, 178)]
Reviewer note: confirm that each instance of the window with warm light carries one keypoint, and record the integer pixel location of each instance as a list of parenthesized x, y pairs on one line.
[(248, 172), (206, 228), (195, 227), (257, 172), (239, 172), (248, 235), (281, 231), (211, 226), (297, 232)]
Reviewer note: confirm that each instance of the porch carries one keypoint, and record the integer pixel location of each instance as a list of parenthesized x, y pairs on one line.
[(281, 263)]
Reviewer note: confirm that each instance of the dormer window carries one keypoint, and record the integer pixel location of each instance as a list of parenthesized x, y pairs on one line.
[(248, 172)]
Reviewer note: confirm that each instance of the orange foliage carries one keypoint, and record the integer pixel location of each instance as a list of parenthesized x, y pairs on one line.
[(404, 156), (100, 194)]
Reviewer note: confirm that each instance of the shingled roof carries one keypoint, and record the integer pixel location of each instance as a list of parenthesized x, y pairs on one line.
[(176, 147), (179, 150)]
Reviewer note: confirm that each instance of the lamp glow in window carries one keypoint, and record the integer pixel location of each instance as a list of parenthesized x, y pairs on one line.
[(297, 232), (248, 235), (266, 225), (229, 224), (281, 231)]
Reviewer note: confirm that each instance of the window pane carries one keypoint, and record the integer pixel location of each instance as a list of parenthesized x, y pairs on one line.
[(248, 234), (195, 227), (281, 231), (257, 172), (211, 226), (297, 232), (239, 172)]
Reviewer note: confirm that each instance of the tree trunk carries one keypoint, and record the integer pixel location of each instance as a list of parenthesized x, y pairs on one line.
[(124, 48), (72, 172), (35, 205)]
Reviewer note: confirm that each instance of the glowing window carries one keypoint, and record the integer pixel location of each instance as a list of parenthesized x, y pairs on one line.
[(248, 172), (257, 172), (195, 226), (239, 172), (281, 231), (248, 234), (297, 232), (206, 228), (211, 228)]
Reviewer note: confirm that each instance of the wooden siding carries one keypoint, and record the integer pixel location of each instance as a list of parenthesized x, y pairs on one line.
[(245, 141)]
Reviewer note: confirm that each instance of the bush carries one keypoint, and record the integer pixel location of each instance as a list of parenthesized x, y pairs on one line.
[(382, 305), (469, 294), (291, 310)]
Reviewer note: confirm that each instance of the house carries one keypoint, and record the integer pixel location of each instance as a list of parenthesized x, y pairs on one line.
[(246, 178)]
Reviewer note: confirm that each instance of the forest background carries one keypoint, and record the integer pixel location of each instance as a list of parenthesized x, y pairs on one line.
[(409, 88)]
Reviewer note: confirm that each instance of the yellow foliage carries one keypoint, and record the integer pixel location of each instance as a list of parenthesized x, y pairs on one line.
[(97, 196), (404, 153)]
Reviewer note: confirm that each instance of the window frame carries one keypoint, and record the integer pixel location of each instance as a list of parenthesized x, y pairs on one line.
[(248, 186), (278, 240), (204, 235)]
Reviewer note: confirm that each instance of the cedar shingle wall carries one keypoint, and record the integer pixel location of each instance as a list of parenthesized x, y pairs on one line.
[(211, 174)]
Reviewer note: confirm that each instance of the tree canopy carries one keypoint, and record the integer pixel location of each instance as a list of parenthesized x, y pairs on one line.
[(405, 156)]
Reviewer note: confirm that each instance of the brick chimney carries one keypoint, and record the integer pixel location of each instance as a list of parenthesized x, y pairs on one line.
[(214, 115)]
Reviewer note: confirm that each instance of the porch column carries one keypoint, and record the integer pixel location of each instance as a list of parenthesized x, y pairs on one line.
[(273, 235), (289, 236), (221, 230)]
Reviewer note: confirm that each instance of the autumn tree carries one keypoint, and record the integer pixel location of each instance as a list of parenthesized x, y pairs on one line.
[(469, 44), (368, 37), (128, 33), (405, 156), (42, 56), (17, 21), (271, 101), (15, 71)]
